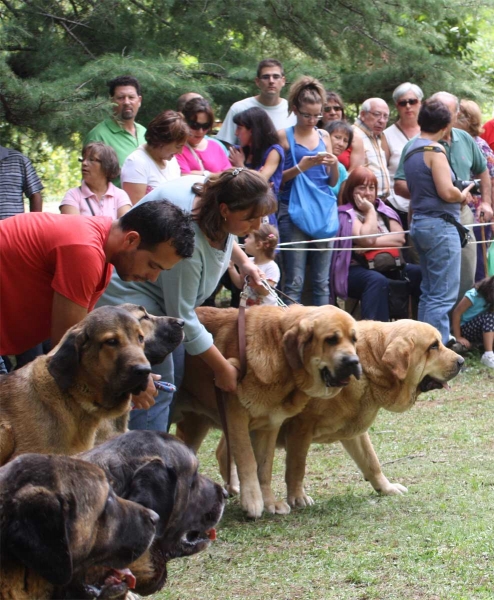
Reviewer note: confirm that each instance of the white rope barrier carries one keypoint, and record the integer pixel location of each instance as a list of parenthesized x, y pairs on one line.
[(283, 246)]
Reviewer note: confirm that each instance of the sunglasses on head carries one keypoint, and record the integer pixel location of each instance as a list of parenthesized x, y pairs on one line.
[(196, 126), (412, 102)]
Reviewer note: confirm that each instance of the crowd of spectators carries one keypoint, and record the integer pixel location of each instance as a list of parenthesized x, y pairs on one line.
[(392, 192)]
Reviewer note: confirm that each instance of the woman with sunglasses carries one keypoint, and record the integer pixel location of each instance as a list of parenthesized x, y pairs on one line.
[(201, 155), (313, 156), (154, 162), (408, 100), (97, 196), (334, 110)]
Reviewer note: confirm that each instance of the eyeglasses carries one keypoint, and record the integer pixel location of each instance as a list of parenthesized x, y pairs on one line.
[(309, 116), (90, 160), (335, 108), (196, 126), (412, 102), (379, 115), (267, 77)]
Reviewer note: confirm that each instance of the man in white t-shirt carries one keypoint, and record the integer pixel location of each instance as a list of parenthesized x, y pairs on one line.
[(270, 80)]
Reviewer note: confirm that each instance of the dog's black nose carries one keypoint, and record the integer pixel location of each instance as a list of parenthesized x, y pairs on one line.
[(141, 370), (350, 360)]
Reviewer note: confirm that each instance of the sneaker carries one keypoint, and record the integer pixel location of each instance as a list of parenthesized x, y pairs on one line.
[(488, 361)]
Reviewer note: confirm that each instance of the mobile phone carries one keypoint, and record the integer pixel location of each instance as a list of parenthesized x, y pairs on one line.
[(323, 153)]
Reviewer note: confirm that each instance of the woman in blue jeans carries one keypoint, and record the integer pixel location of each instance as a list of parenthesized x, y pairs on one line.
[(314, 157), (434, 198), (363, 214), (225, 205)]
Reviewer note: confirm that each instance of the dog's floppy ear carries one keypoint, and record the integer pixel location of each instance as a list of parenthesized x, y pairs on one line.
[(398, 355), (64, 364), (294, 341), (154, 485), (37, 534)]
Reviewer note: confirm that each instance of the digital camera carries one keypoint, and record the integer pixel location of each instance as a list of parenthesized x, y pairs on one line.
[(461, 184)]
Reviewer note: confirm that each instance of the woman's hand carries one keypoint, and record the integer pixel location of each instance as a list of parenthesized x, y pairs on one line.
[(249, 269), (237, 157), (307, 162), (363, 205), (146, 399), (464, 342), (226, 377)]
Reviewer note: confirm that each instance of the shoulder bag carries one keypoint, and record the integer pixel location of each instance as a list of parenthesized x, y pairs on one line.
[(312, 209)]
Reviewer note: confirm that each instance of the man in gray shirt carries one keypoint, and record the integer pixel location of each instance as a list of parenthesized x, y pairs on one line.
[(270, 80)]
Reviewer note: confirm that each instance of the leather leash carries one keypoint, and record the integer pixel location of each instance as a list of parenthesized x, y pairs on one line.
[(221, 396)]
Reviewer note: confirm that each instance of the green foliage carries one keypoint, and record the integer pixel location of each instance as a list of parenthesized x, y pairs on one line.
[(58, 55)]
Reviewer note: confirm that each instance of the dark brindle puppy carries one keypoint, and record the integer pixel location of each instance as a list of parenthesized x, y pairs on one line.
[(58, 516), (56, 403), (160, 472)]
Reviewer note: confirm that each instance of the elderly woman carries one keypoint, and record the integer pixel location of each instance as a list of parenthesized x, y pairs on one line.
[(154, 162), (97, 196), (362, 214), (408, 100), (470, 120), (334, 110)]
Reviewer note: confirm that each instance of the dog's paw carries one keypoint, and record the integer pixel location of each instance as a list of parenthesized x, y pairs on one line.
[(276, 507), (393, 489), (300, 501), (232, 489), (252, 503)]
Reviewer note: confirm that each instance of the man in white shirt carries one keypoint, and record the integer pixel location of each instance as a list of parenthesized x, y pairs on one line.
[(270, 80), (369, 127)]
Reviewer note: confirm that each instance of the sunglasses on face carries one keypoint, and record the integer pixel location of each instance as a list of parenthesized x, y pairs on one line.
[(196, 126), (330, 108), (412, 102)]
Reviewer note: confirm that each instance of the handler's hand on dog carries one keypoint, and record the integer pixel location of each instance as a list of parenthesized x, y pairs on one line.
[(146, 399), (250, 270), (226, 379)]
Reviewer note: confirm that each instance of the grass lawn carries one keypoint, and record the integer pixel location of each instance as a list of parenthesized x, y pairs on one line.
[(435, 543)]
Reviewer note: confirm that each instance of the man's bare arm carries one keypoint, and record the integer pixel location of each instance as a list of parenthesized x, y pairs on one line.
[(64, 314), (35, 202)]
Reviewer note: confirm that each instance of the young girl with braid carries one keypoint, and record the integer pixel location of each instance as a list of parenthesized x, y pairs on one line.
[(260, 244)]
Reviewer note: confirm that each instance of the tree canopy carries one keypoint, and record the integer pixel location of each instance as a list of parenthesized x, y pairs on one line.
[(57, 55)]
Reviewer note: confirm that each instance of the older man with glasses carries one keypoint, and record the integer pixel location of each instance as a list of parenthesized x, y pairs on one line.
[(270, 80), (369, 127)]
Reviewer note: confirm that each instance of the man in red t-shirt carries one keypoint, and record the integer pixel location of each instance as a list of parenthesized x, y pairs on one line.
[(54, 268), (488, 134)]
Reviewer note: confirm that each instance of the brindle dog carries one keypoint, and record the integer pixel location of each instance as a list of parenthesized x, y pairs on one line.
[(158, 471), (58, 516)]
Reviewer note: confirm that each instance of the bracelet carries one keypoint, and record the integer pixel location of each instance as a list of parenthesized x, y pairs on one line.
[(298, 168)]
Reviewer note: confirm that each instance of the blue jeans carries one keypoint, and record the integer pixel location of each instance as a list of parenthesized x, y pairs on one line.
[(295, 262), (157, 418), (372, 289), (438, 246)]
